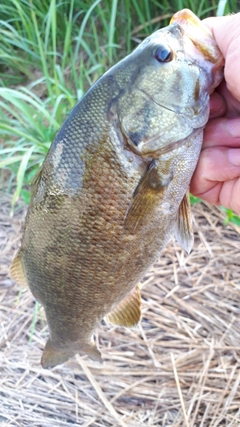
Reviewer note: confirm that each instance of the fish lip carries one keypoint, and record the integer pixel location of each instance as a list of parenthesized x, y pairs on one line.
[(199, 34), (206, 51)]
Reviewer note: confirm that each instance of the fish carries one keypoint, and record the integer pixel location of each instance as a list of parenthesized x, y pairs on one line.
[(113, 189)]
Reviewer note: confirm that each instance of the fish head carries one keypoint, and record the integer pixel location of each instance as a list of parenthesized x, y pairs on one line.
[(172, 74)]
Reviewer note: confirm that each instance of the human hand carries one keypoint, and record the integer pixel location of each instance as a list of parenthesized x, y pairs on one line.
[(217, 176)]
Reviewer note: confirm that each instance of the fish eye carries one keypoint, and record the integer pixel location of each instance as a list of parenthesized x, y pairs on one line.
[(163, 54)]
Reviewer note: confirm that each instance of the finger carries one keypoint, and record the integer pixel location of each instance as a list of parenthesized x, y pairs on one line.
[(226, 32), (217, 177), (225, 194), (217, 105), (231, 103), (216, 166), (229, 195), (222, 132)]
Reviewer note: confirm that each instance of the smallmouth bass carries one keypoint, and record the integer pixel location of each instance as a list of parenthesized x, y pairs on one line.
[(113, 188)]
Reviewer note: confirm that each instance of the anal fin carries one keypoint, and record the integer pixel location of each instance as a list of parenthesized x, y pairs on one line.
[(17, 272), (128, 311), (183, 229)]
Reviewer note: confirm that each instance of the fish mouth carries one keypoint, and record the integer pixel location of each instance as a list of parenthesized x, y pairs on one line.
[(199, 43)]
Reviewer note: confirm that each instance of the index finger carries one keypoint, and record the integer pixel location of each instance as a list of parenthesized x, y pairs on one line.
[(222, 132), (226, 30)]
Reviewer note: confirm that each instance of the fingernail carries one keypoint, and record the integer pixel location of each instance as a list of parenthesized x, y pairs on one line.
[(233, 127), (234, 156)]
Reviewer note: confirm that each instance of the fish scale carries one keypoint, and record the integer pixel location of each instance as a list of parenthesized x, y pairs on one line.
[(112, 190)]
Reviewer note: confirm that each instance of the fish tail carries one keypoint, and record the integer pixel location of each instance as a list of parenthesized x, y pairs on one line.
[(52, 356)]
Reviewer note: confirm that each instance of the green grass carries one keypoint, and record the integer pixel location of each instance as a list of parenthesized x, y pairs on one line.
[(50, 54), (231, 217)]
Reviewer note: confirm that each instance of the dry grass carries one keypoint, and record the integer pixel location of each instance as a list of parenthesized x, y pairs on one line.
[(181, 367)]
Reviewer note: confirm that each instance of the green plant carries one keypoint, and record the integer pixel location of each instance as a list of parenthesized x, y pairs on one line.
[(231, 217)]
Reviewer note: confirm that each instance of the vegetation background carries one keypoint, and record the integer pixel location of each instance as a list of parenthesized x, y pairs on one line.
[(52, 52), (181, 368)]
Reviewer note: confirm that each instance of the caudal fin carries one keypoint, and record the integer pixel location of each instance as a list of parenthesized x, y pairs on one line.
[(52, 357)]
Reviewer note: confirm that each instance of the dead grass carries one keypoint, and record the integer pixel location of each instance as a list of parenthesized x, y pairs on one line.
[(181, 367)]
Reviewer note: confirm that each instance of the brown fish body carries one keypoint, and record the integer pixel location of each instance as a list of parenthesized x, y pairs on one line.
[(107, 199)]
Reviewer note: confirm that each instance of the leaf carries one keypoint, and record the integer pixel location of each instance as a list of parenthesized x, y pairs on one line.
[(194, 199), (25, 195)]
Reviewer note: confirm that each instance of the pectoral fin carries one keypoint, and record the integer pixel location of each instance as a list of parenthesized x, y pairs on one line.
[(53, 356), (146, 195), (17, 272), (128, 312), (183, 230)]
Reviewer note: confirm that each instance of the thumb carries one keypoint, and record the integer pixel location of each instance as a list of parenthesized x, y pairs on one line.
[(226, 30)]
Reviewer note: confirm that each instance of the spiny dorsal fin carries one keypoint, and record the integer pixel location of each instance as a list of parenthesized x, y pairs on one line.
[(16, 270), (183, 230), (128, 311), (147, 194)]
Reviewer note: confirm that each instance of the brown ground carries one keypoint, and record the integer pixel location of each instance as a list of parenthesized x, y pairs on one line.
[(181, 367)]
